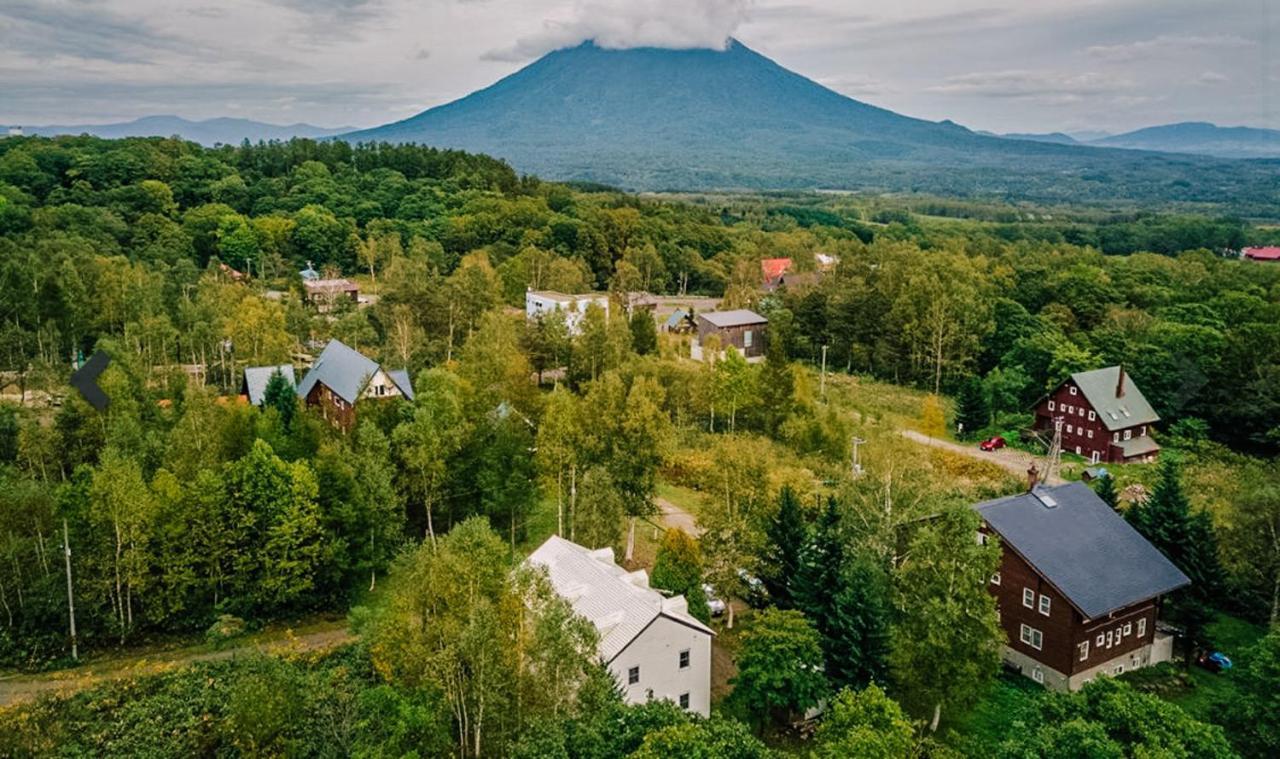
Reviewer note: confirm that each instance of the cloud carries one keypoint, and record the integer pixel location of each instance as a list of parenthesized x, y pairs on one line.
[(1212, 77), (1032, 85), (854, 84), (621, 24), (1166, 43)]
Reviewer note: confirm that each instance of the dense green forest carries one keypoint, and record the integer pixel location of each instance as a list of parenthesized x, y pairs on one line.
[(182, 506)]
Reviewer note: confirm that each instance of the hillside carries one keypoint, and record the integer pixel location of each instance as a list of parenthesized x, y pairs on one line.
[(665, 119), (1202, 138), (226, 131)]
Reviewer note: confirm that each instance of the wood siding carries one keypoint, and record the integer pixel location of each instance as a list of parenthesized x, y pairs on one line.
[(735, 336), (336, 411), (1080, 433)]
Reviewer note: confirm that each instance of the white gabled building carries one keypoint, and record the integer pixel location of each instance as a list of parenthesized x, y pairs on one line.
[(540, 302), (650, 643)]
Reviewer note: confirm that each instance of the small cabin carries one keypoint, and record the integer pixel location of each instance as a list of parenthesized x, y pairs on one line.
[(742, 329)]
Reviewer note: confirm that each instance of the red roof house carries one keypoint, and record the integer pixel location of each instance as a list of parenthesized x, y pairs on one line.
[(1271, 253), (772, 268)]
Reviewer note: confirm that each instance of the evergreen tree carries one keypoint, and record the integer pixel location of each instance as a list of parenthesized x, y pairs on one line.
[(644, 335), (787, 535), (777, 387), (280, 396), (1105, 488), (973, 408), (678, 569), (1188, 539)]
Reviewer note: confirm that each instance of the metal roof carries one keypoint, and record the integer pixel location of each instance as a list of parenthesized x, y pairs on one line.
[(1117, 413), (1138, 446), (257, 377), (676, 317), (1073, 539), (738, 318), (619, 603), (342, 369)]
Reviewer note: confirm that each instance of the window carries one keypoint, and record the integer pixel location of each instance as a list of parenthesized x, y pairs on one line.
[(1073, 389), (1070, 409), (1144, 430), (1110, 640), (1128, 628), (1115, 437), (684, 659), (1029, 598), (1044, 604), (1119, 634), (1084, 650), (633, 676), (684, 700), (1142, 627), (1119, 670), (1128, 434), (1070, 429), (1095, 457), (1091, 434), (1092, 416), (1100, 640), (1032, 637), (1037, 674), (995, 579), (1051, 405), (1077, 450), (381, 389), (746, 338)]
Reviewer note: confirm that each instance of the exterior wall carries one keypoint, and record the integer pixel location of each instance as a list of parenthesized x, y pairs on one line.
[(539, 303), (656, 651), (381, 386), (1083, 431), (1119, 633), (1057, 629), (736, 336), (336, 411)]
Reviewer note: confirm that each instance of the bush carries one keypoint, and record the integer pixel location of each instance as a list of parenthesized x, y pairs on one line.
[(224, 628)]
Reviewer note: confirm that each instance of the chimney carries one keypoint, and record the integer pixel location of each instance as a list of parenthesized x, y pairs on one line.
[(1120, 382), (1033, 477)]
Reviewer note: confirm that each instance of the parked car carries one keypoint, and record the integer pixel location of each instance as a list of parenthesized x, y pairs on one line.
[(1214, 661), (756, 596), (714, 603), (992, 443)]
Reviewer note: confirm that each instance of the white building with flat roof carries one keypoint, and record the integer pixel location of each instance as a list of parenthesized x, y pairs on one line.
[(651, 644), (541, 302)]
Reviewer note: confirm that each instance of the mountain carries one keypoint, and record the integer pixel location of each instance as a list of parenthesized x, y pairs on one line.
[(1202, 138), (1088, 135), (657, 119), (1054, 137), (209, 132)]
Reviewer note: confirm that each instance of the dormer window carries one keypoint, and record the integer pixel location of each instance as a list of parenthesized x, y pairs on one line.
[(1073, 389)]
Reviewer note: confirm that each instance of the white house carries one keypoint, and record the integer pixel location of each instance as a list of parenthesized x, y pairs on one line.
[(539, 302), (650, 643)]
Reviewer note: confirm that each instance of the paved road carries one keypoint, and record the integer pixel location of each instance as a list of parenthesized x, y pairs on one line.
[(15, 689), (1017, 462)]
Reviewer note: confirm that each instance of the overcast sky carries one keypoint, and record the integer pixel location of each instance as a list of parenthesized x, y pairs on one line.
[(1002, 65)]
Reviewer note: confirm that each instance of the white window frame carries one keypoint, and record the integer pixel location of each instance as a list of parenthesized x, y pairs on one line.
[(995, 579), (1029, 598), (1070, 430), (1119, 670), (1115, 437), (1084, 651), (1046, 605), (1142, 627), (1037, 674), (633, 676), (1128, 628), (683, 659), (1095, 457), (1051, 404), (1078, 450), (1101, 639), (1073, 389), (1090, 433), (1031, 636), (1128, 434), (1092, 416), (747, 337), (1110, 640)]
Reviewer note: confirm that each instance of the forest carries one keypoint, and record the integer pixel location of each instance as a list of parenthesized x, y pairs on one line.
[(183, 508)]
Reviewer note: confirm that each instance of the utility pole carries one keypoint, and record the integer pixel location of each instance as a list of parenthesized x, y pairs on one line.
[(823, 382), (71, 605), (857, 467)]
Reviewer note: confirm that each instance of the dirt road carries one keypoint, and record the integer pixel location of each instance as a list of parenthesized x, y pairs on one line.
[(15, 689), (674, 516), (1017, 462)]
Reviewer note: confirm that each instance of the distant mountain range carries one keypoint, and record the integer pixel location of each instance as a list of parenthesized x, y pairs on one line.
[(227, 131), (1196, 137), (658, 119)]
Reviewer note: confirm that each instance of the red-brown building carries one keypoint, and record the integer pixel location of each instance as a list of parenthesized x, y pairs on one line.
[(342, 376), (1078, 590), (1105, 417)]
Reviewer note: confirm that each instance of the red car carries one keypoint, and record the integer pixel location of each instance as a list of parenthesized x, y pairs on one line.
[(992, 443)]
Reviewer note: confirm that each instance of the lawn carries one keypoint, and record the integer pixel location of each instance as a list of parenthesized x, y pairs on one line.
[(992, 718), (1232, 636)]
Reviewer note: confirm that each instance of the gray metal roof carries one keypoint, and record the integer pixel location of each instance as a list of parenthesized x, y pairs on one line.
[(401, 378), (342, 369), (257, 377), (1138, 446), (676, 317), (739, 318), (1082, 547), (1118, 413)]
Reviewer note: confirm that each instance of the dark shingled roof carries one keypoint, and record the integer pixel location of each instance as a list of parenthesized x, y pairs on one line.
[(1082, 547)]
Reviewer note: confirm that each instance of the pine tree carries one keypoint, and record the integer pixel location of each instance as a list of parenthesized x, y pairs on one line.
[(678, 568), (1105, 488), (280, 395), (644, 336), (973, 409), (787, 534), (777, 387)]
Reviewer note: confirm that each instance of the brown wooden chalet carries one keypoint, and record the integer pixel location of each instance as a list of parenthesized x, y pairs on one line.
[(342, 376), (1105, 417), (741, 329), (1079, 589)]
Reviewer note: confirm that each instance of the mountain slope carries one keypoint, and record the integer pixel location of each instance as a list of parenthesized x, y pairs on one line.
[(1202, 138), (688, 119), (1054, 137), (227, 131)]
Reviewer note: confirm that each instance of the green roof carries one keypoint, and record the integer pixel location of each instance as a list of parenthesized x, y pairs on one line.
[(1117, 412)]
